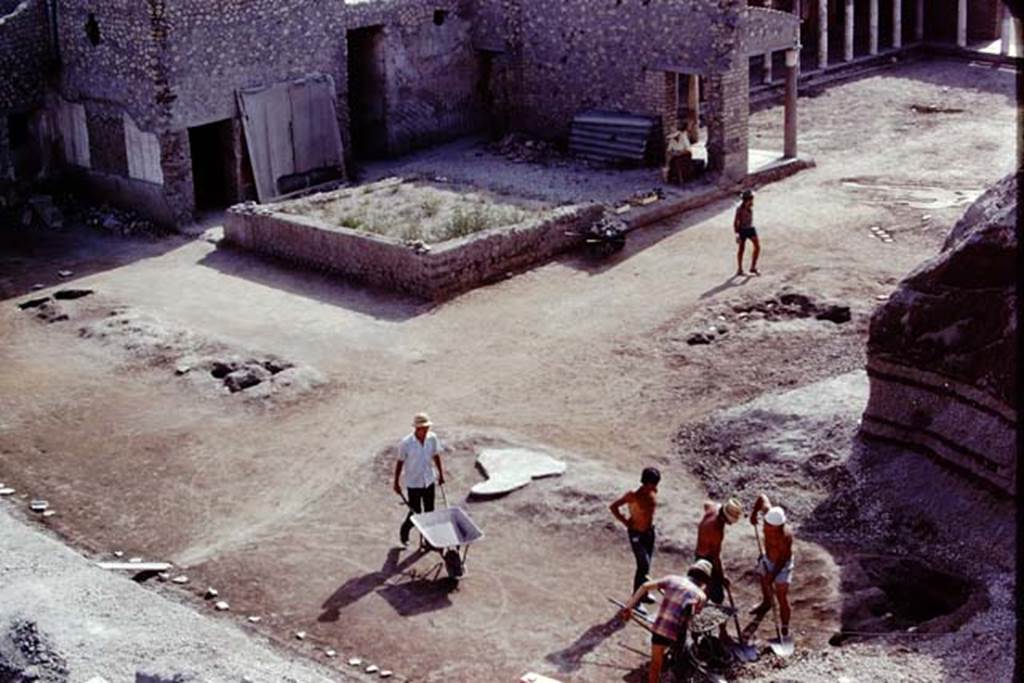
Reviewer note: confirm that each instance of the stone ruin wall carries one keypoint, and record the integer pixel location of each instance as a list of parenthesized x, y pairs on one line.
[(24, 65), (942, 352), (449, 268), (616, 54)]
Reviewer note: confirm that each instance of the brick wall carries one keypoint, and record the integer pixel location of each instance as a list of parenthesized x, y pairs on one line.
[(449, 268), (25, 54), (106, 138)]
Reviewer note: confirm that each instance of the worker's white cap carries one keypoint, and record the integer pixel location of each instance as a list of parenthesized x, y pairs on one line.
[(775, 516)]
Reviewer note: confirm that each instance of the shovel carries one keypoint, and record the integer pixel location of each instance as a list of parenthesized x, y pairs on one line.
[(782, 646), (743, 650)]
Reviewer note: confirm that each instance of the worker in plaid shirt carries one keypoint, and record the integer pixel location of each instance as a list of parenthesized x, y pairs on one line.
[(682, 598)]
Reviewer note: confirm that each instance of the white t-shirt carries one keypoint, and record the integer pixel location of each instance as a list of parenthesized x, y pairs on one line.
[(418, 460)]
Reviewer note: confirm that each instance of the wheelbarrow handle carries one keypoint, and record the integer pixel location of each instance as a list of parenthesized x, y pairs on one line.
[(444, 496)]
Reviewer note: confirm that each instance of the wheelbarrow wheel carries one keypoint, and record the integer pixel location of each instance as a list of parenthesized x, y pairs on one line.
[(453, 564)]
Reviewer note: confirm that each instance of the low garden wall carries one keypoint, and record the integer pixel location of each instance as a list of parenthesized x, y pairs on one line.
[(448, 268)]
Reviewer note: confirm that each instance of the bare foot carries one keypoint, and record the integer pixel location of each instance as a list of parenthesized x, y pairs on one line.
[(755, 271), (739, 272)]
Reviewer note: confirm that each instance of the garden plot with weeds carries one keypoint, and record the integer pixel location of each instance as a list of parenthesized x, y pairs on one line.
[(414, 210)]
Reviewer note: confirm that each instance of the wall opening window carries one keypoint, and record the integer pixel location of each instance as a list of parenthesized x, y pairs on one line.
[(92, 30), (440, 16)]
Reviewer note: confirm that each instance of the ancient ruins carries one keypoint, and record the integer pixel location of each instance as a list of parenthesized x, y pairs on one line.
[(337, 336)]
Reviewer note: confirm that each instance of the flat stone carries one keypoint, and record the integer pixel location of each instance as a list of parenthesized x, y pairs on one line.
[(181, 578), (222, 606), (300, 635), (372, 669), (49, 513), (330, 653), (355, 661), (255, 619), (386, 673), (135, 566), (508, 469), (118, 553), (6, 492), (211, 593)]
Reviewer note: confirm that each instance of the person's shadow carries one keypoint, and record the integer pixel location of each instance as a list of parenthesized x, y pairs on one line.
[(570, 659), (357, 588), (731, 281)]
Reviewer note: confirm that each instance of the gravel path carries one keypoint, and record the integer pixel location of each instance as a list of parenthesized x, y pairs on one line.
[(71, 621)]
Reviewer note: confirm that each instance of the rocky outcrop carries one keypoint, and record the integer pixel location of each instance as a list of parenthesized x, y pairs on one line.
[(942, 351)]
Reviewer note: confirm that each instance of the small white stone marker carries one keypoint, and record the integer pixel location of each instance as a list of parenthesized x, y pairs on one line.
[(355, 661), (97, 679), (164, 576), (6, 492), (255, 619), (118, 553), (222, 606), (925, 218), (301, 635), (40, 285), (181, 578), (49, 513), (372, 669), (211, 593), (330, 653), (135, 560), (386, 673), (64, 273), (38, 505)]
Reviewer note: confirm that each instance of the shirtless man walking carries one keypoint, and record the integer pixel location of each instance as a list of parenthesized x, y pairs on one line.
[(640, 523), (776, 565), (743, 226), (710, 534)]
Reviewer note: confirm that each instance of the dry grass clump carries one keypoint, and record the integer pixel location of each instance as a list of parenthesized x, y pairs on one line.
[(410, 211)]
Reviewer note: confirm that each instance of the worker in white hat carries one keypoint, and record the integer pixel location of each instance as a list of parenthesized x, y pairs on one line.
[(418, 454), (682, 598), (776, 564)]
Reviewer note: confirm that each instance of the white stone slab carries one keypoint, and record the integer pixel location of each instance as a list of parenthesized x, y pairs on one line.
[(136, 566), (508, 469)]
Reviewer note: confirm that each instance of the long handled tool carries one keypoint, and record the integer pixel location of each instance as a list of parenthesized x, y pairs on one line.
[(742, 649), (783, 647), (636, 616)]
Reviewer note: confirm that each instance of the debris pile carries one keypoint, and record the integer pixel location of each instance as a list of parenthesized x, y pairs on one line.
[(519, 148)]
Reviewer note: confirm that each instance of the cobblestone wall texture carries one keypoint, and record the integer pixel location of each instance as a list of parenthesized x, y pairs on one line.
[(449, 268), (24, 53)]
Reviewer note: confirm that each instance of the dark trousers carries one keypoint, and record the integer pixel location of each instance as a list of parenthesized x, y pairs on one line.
[(642, 543), (421, 500), (715, 590)]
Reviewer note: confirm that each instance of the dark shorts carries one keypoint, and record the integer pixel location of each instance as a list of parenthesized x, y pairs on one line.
[(747, 234), (660, 640), (715, 589)]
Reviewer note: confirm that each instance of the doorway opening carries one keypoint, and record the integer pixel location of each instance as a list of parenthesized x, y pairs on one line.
[(366, 93), (213, 162)]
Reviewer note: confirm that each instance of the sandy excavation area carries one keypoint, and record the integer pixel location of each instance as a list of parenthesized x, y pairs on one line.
[(118, 408)]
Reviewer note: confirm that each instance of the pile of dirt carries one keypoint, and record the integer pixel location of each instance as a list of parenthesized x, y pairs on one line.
[(26, 655), (520, 148)]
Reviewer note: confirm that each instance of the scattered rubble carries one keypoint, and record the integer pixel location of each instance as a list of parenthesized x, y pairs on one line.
[(519, 148), (221, 606), (211, 593), (27, 655)]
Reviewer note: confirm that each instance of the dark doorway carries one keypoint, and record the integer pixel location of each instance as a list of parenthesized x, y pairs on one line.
[(213, 160), (367, 125)]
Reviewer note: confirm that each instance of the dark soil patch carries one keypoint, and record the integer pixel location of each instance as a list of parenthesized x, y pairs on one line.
[(26, 655)]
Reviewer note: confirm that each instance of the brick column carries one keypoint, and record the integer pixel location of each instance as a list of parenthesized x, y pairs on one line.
[(919, 21), (848, 32), (822, 34), (873, 26), (693, 97), (897, 24), (961, 23), (792, 72), (728, 113)]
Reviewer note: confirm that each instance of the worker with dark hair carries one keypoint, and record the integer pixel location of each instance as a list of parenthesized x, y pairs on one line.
[(640, 523)]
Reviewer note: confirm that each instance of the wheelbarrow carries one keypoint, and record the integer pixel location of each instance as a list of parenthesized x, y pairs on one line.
[(449, 531)]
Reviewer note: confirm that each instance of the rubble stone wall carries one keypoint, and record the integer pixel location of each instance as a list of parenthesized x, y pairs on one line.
[(942, 351), (447, 269), (25, 54)]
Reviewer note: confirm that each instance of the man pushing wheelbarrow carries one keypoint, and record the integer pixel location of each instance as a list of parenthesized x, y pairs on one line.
[(448, 531)]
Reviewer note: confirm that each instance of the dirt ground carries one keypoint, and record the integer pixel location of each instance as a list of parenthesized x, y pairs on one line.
[(282, 500)]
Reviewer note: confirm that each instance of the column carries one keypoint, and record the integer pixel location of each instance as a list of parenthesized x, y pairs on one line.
[(767, 67), (961, 23), (873, 26), (1006, 33), (848, 32), (693, 98), (789, 137), (897, 24), (822, 34), (919, 21)]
